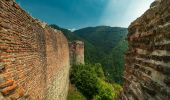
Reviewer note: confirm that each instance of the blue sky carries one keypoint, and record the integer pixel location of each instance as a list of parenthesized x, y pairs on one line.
[(75, 14)]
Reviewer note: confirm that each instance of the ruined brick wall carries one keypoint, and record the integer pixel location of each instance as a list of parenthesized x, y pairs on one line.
[(147, 68), (76, 52), (34, 59)]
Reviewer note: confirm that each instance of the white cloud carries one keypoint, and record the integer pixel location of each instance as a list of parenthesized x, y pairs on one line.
[(72, 30)]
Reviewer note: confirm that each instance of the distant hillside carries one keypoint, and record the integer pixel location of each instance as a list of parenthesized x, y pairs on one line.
[(114, 61), (103, 37), (110, 44), (103, 44), (89, 48), (70, 36)]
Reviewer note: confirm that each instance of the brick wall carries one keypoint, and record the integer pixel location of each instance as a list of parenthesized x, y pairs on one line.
[(31, 54), (147, 68), (57, 65)]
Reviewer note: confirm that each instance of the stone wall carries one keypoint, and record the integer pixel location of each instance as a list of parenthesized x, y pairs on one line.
[(34, 58), (147, 68), (76, 52)]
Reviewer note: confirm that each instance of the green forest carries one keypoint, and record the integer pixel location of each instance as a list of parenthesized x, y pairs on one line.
[(89, 79), (101, 77)]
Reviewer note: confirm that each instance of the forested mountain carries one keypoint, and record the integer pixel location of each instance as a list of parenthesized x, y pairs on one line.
[(90, 49), (103, 37), (103, 44), (110, 46)]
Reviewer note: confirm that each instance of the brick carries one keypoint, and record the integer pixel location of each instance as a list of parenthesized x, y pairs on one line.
[(6, 84), (9, 89), (15, 96), (21, 92), (2, 79), (2, 66)]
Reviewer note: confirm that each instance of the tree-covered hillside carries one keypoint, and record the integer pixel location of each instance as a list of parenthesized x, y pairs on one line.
[(89, 48), (110, 44), (103, 37), (114, 62), (70, 36), (103, 44)]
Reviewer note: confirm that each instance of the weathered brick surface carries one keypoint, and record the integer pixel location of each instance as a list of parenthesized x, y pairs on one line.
[(31, 53), (57, 65), (147, 68)]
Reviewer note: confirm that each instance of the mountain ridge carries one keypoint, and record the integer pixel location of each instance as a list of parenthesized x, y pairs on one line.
[(100, 42)]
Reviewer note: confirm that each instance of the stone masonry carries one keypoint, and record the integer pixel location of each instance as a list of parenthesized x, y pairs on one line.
[(76, 52), (147, 68)]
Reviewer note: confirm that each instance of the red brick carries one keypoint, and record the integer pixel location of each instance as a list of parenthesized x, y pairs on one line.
[(9, 89), (6, 84)]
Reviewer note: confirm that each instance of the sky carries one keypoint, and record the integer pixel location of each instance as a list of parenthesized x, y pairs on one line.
[(76, 14)]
